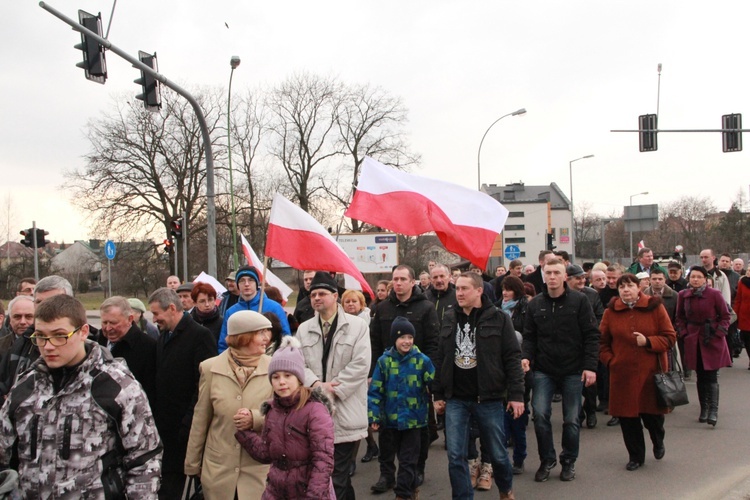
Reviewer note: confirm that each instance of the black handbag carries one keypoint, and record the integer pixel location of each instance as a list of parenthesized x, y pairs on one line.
[(670, 387)]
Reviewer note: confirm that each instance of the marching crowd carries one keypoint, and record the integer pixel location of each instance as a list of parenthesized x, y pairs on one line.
[(232, 396)]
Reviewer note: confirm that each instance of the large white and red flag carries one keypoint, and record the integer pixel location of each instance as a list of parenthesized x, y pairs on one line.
[(271, 278), (641, 244), (466, 221), (296, 238)]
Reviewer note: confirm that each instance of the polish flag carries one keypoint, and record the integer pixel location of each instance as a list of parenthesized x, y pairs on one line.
[(296, 238), (466, 221), (271, 278), (641, 244)]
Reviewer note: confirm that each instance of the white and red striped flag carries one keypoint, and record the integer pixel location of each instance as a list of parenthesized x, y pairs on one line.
[(466, 221), (271, 278), (296, 238), (641, 244)]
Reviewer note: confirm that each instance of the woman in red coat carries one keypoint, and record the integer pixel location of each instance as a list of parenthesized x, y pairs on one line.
[(636, 335), (742, 308), (702, 319)]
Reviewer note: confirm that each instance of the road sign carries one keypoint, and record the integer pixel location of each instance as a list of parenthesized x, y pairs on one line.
[(512, 252), (110, 249)]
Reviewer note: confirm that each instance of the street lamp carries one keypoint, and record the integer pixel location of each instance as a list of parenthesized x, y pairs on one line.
[(234, 62), (521, 111), (631, 227), (572, 220)]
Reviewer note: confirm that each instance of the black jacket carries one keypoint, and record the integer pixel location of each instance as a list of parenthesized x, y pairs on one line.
[(213, 322), (139, 352), (418, 310), (499, 372), (304, 310), (560, 336), (596, 303), (177, 377), (444, 301), (536, 279)]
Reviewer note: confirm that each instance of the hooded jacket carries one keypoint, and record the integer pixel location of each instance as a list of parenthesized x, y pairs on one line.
[(269, 305)]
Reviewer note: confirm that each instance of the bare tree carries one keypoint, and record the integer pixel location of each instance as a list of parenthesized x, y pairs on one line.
[(303, 112), (146, 168), (687, 217)]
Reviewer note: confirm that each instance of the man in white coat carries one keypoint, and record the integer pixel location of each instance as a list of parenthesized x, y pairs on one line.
[(336, 346)]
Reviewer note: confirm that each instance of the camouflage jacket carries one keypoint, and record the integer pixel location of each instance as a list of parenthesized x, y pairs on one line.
[(99, 415)]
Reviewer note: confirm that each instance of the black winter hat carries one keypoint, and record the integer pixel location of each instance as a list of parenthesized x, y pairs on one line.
[(401, 326), (323, 279)]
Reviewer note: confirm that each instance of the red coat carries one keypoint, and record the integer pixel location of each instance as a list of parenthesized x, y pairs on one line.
[(742, 304), (298, 443), (692, 313), (632, 368)]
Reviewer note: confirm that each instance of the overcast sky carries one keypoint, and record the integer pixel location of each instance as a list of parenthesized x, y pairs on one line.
[(580, 68)]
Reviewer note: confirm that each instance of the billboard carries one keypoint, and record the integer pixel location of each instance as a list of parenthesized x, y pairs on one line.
[(371, 252)]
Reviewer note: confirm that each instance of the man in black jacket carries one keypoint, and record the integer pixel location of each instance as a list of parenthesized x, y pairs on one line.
[(477, 373), (561, 344), (408, 301), (183, 345), (442, 293), (536, 277)]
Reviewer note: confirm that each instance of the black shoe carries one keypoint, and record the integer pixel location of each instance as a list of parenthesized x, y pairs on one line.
[(518, 469), (633, 465), (372, 452), (434, 436), (556, 397), (659, 451), (420, 479), (542, 474), (440, 422), (591, 421), (382, 485), (568, 471), (613, 421)]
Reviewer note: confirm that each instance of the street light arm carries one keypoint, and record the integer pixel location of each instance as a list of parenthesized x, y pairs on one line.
[(479, 151)]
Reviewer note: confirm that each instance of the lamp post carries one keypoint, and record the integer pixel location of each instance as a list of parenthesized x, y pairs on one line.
[(631, 227), (234, 62), (572, 219), (515, 113)]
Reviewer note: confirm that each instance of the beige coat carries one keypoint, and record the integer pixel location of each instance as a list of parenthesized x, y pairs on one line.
[(212, 449)]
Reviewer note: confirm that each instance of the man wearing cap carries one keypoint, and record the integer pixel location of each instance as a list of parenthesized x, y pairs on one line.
[(184, 291), (182, 346), (247, 282), (139, 318), (231, 296), (644, 263), (676, 281), (577, 282), (336, 346)]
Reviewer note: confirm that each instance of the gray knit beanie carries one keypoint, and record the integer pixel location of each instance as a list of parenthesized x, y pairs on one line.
[(288, 358)]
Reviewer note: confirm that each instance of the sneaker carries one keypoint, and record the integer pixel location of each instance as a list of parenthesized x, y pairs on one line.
[(591, 421), (474, 471), (568, 471), (484, 483), (542, 474), (420, 479), (507, 496), (518, 469)]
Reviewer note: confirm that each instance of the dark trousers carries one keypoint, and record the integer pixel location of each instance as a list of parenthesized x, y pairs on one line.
[(516, 428), (172, 485), (344, 454), (406, 446), (602, 382), (589, 399), (632, 434)]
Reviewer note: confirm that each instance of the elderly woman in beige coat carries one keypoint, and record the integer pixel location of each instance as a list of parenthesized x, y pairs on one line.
[(232, 387)]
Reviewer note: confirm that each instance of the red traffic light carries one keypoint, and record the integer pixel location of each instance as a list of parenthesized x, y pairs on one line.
[(168, 246), (176, 228)]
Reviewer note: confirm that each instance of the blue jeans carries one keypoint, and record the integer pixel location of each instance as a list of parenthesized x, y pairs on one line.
[(541, 401), (490, 417), (516, 428)]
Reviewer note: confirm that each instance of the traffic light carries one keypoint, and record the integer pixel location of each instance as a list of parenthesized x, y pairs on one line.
[(647, 127), (94, 62), (28, 238), (176, 227), (40, 241), (550, 240), (151, 90), (731, 141), (168, 246)]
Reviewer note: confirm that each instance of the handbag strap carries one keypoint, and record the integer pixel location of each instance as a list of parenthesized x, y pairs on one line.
[(677, 366)]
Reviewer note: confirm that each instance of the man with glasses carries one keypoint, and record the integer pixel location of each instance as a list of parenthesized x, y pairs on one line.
[(80, 421)]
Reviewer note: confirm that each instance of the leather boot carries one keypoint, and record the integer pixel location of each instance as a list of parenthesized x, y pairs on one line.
[(703, 400), (713, 404)]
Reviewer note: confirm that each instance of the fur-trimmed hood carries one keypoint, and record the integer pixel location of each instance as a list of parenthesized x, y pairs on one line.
[(646, 302), (317, 394)]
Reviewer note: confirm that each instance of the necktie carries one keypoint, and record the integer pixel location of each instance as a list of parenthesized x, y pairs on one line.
[(326, 329)]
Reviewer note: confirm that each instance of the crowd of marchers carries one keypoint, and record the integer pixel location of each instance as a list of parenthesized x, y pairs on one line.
[(235, 397)]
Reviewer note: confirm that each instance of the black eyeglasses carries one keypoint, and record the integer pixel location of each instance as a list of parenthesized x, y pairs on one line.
[(57, 340)]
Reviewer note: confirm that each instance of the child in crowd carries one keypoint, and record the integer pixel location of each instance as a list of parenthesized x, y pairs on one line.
[(297, 438), (398, 402)]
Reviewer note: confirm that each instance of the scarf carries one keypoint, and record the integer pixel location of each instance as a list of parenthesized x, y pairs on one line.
[(508, 306), (630, 304), (242, 365), (203, 317), (698, 292)]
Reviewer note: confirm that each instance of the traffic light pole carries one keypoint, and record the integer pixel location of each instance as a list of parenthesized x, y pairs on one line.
[(210, 190), (184, 246), (36, 252)]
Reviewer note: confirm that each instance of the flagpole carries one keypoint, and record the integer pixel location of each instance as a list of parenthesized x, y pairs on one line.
[(262, 283)]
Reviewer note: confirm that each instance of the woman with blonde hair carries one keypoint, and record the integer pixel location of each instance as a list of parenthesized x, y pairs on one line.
[(354, 303)]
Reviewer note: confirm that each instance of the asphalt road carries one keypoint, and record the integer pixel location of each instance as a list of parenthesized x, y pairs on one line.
[(701, 462)]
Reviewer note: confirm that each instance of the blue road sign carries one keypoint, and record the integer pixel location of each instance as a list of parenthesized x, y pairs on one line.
[(512, 252), (110, 249)]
